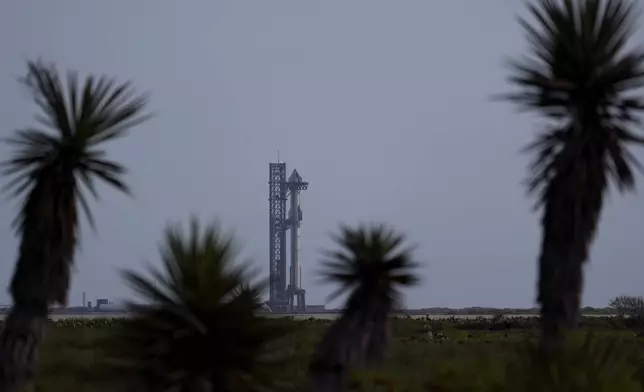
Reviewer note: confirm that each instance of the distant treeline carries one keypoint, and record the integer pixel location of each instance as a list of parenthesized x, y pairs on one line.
[(477, 310)]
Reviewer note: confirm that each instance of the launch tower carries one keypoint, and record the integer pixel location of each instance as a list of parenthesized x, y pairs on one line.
[(283, 297)]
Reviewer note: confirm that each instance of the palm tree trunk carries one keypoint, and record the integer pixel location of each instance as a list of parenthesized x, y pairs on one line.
[(571, 216), (201, 385), (328, 370), (560, 287), (379, 336), (357, 336), (23, 328), (19, 341), (41, 277)]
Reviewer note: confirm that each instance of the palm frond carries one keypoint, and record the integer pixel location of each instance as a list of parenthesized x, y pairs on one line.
[(77, 118), (370, 263), (198, 322), (583, 74)]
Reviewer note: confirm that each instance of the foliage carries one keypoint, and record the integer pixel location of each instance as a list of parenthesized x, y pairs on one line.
[(585, 364), (624, 305), (88, 323), (54, 164), (431, 323), (199, 326), (51, 168), (580, 65), (371, 264), (582, 75), (74, 358)]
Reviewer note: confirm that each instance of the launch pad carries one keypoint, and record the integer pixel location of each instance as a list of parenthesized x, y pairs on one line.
[(285, 297)]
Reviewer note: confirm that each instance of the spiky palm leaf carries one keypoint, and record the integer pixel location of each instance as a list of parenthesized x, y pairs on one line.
[(198, 324), (582, 75), (371, 266)]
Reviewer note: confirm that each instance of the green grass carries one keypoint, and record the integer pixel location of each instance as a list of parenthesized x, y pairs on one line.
[(473, 357)]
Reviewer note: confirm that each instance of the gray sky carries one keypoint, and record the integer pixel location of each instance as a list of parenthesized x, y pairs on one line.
[(382, 105)]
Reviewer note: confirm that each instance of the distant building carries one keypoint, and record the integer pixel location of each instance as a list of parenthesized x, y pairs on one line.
[(100, 302), (112, 307), (316, 309)]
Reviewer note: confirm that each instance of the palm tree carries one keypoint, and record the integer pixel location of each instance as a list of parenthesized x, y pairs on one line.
[(198, 329), (371, 266), (52, 167), (581, 75)]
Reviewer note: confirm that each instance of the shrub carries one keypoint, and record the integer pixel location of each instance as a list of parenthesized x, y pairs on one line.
[(587, 363)]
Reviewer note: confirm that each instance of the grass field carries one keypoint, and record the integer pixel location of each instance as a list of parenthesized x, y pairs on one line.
[(426, 354), (301, 316)]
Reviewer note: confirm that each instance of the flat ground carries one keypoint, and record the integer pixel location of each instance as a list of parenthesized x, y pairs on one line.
[(447, 355), (301, 316)]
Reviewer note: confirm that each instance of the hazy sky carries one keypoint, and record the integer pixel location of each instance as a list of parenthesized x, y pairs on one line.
[(382, 105)]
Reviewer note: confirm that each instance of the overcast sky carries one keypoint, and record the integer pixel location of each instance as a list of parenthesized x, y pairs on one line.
[(382, 105)]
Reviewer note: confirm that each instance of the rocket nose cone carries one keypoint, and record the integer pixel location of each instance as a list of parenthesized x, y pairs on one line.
[(295, 177)]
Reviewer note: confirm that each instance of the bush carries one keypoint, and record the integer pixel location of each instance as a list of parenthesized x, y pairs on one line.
[(587, 363), (476, 360)]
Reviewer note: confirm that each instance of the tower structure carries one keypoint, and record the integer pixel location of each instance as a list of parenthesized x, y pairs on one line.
[(283, 298), (278, 300)]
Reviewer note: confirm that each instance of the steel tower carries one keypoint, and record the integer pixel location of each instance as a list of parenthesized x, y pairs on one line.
[(281, 297), (278, 300)]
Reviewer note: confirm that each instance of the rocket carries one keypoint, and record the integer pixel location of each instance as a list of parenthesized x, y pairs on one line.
[(295, 219)]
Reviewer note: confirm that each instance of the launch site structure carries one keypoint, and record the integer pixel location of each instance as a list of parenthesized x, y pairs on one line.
[(285, 297)]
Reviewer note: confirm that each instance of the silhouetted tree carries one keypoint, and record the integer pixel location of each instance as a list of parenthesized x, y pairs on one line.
[(371, 266), (52, 167), (198, 328), (628, 306), (580, 74)]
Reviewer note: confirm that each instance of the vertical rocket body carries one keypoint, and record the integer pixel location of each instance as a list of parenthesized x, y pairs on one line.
[(295, 185), (295, 239)]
